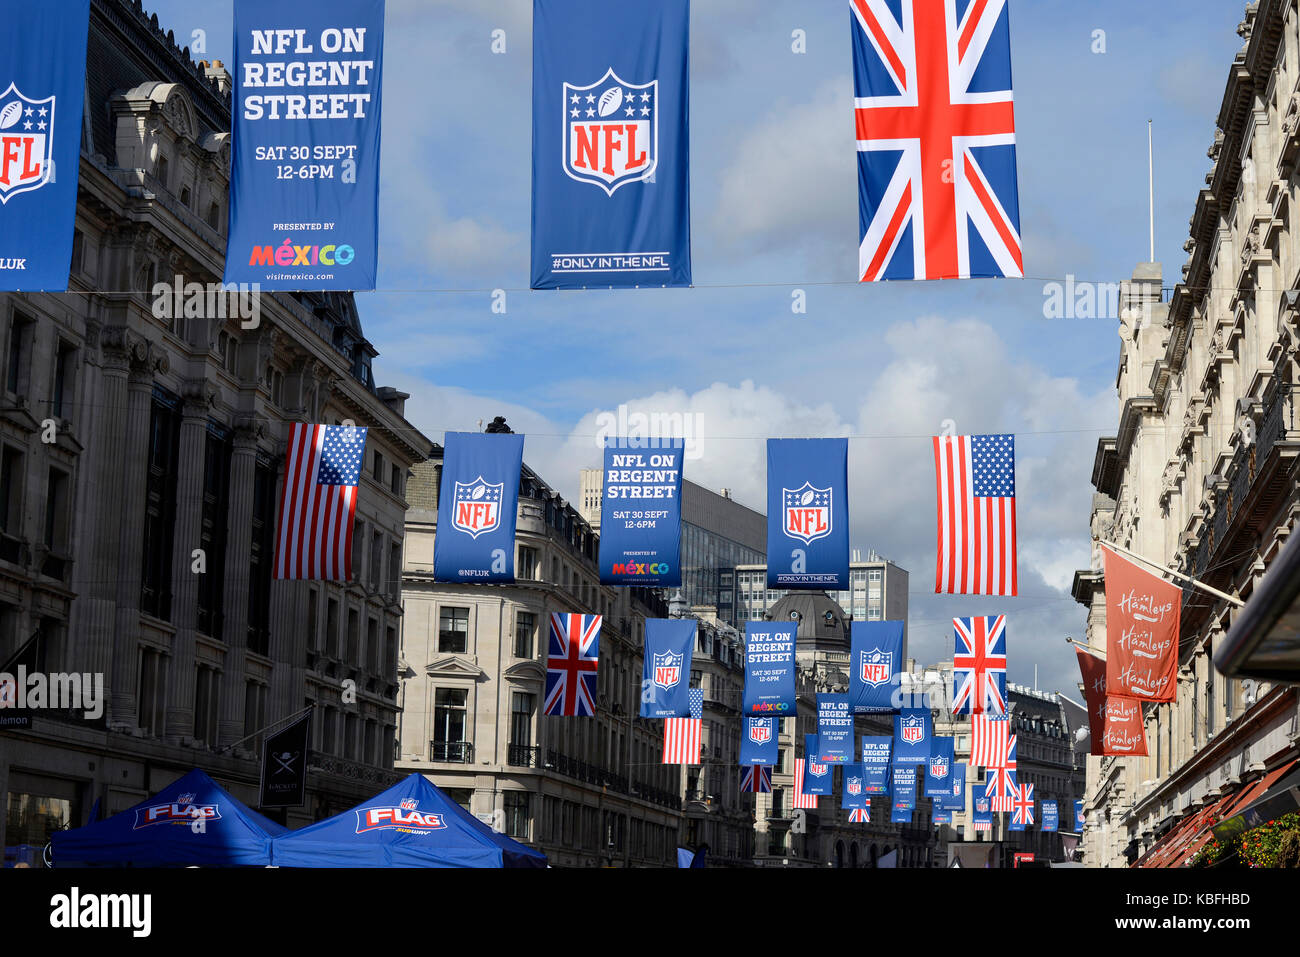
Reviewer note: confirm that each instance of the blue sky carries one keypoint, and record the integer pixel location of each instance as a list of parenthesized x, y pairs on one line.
[(774, 209)]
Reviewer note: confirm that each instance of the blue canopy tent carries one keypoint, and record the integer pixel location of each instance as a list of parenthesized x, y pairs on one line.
[(191, 822), (412, 824)]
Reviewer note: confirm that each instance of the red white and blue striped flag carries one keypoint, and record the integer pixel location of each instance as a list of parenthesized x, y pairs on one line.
[(976, 480), (801, 800), (1002, 786), (318, 501), (571, 665), (979, 665), (757, 778), (1023, 810), (682, 735), (989, 742), (860, 815)]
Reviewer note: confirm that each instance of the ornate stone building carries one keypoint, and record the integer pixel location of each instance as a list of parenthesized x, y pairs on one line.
[(142, 457), (1201, 475)]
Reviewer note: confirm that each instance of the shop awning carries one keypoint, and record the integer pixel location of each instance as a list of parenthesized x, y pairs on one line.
[(1272, 795), (1264, 641)]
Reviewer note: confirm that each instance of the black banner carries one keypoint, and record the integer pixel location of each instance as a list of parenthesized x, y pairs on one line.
[(284, 765)]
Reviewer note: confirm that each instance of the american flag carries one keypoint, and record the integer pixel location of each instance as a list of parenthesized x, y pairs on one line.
[(801, 800), (1023, 810), (976, 481), (979, 665), (860, 815), (1001, 785), (318, 500), (571, 665), (989, 743), (757, 778), (936, 132), (682, 735)]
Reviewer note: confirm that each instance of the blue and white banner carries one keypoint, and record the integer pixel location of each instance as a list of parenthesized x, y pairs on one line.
[(477, 507), (818, 778), (1078, 817), (666, 668), (938, 770), (876, 751), (834, 729), (304, 170), (902, 788), (641, 514), (954, 799), (769, 668), (912, 734), (853, 792), (1051, 816), (42, 85), (808, 513), (900, 815), (940, 815), (875, 664), (758, 741), (611, 174), (982, 812)]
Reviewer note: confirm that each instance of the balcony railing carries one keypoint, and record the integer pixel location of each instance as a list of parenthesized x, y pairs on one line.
[(603, 777), (524, 756), (452, 752)]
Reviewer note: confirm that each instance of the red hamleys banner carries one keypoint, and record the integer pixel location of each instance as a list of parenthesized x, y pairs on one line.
[(1142, 624), (1115, 724)]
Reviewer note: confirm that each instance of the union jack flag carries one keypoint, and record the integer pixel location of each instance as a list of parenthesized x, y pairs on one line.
[(1023, 810), (975, 481), (979, 666), (1001, 785), (757, 778), (989, 741), (936, 133), (682, 735), (860, 815), (801, 800), (571, 665)]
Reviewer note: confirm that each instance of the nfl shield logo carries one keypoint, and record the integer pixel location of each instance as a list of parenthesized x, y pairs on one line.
[(26, 143), (807, 512), (476, 506), (877, 667), (913, 729), (668, 670), (408, 804), (982, 805), (760, 733), (939, 767), (855, 786), (817, 770), (185, 798), (611, 132)]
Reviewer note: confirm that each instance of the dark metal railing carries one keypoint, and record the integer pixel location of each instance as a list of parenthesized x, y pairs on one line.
[(524, 756), (454, 752)]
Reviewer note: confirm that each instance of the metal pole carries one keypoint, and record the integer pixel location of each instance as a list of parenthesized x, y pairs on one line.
[(1151, 190), (1187, 578)]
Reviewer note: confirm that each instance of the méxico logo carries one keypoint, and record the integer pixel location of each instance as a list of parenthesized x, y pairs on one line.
[(939, 766), (182, 811), (26, 143), (407, 817), (913, 728), (760, 733), (668, 670), (611, 131), (476, 506), (807, 512), (877, 667)]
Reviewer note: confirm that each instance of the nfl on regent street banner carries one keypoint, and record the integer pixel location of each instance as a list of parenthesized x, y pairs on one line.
[(304, 168), (769, 668), (912, 735), (641, 514), (875, 661), (1078, 817), (666, 668), (854, 791), (902, 787), (1051, 816), (477, 507), (1142, 627), (758, 742), (900, 815), (876, 752), (938, 770), (834, 729), (808, 513), (42, 84), (818, 778), (611, 176)]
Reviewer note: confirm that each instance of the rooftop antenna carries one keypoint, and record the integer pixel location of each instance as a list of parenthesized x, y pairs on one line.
[(1151, 191)]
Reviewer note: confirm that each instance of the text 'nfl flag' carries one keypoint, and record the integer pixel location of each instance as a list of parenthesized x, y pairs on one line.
[(975, 476), (979, 665), (571, 665), (808, 513), (758, 742), (318, 502), (641, 514), (611, 176), (936, 135), (304, 174), (1143, 618), (769, 668), (818, 778), (666, 667), (834, 729), (42, 85), (477, 507), (682, 735), (875, 665)]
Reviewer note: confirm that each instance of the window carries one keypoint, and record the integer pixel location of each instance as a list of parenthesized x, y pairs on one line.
[(153, 687), (313, 620), (11, 489), (56, 510), (213, 218), (254, 711), (332, 628), (390, 653), (372, 646), (206, 695), (525, 628), (461, 796), (376, 560), (78, 252), (329, 731), (20, 348), (521, 719), (379, 467), (527, 564), (160, 505), (213, 530), (65, 365), (453, 630), (448, 723), (518, 810), (370, 753), (358, 550), (352, 657), (162, 170), (351, 729), (395, 482), (260, 558), (395, 571), (185, 196)]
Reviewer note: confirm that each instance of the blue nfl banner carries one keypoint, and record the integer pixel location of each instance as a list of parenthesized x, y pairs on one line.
[(304, 171), (42, 86), (875, 663), (902, 788), (900, 815), (938, 770), (758, 741), (1015, 825), (641, 514), (876, 751), (769, 668), (1051, 816), (817, 777), (982, 813), (834, 729), (912, 734), (808, 513), (611, 174), (1078, 817), (666, 668), (853, 793), (477, 508), (940, 816), (954, 799)]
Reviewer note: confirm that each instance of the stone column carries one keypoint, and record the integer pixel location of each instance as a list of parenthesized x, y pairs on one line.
[(243, 472)]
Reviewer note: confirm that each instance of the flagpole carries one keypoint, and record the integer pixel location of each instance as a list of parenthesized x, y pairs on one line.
[(1087, 648), (1187, 578), (1151, 190), (274, 724)]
